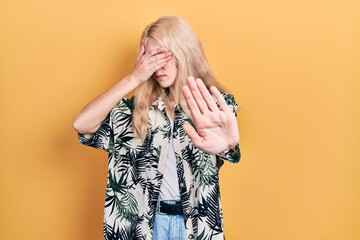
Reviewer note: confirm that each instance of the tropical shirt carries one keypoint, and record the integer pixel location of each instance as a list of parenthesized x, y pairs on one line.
[(136, 168)]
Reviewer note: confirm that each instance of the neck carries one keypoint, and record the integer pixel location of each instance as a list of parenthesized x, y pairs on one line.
[(170, 96), (170, 103), (171, 93)]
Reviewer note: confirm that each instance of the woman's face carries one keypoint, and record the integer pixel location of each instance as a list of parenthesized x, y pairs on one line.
[(166, 75)]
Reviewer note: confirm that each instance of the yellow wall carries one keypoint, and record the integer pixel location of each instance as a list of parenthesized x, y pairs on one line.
[(294, 67)]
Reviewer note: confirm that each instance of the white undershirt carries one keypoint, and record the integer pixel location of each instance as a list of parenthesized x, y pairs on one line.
[(170, 186)]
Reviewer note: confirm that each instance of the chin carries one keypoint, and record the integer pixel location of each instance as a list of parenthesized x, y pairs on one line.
[(164, 85)]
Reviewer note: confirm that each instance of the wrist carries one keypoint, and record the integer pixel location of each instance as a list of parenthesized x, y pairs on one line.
[(232, 144), (133, 80)]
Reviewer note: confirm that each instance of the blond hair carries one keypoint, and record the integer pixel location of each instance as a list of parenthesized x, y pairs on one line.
[(175, 35)]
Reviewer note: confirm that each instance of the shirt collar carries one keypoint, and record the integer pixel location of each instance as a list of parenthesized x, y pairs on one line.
[(159, 104)]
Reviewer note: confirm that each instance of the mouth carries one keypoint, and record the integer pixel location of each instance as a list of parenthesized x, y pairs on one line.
[(160, 77)]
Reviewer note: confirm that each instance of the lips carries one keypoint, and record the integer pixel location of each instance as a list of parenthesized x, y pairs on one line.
[(160, 76)]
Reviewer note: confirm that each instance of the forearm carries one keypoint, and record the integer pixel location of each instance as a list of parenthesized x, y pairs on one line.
[(90, 118)]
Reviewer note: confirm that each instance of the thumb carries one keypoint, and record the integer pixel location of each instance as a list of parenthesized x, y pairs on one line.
[(193, 135), (141, 52)]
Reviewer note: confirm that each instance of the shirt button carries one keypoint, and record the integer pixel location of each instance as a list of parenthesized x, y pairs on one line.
[(191, 236), (175, 134), (182, 185)]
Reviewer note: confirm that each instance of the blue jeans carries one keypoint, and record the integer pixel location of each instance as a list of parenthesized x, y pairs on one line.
[(169, 227)]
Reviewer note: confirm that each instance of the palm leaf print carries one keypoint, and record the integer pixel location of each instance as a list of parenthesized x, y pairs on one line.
[(213, 211), (110, 233), (127, 206), (117, 186), (134, 181), (110, 201), (124, 137), (202, 167)]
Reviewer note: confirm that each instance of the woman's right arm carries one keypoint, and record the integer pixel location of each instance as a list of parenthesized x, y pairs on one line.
[(90, 118)]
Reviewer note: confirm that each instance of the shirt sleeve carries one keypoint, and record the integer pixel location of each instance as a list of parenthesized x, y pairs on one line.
[(118, 118), (232, 155), (102, 138)]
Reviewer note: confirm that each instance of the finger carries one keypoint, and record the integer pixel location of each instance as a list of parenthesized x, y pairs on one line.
[(193, 135), (195, 112), (159, 58), (147, 55), (154, 55), (159, 63), (210, 102), (197, 95), (156, 51), (151, 64), (220, 99)]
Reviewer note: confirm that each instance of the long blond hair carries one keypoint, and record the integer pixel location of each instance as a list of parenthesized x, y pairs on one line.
[(175, 35)]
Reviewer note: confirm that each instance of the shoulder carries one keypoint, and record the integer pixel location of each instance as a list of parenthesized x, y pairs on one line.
[(124, 105), (127, 103), (229, 98), (122, 112), (230, 101)]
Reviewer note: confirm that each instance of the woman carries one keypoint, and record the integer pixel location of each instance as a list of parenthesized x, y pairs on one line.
[(167, 143)]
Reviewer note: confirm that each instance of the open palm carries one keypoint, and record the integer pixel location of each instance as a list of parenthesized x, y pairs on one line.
[(216, 127)]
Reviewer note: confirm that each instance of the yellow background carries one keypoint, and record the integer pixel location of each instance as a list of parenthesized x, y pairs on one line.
[(293, 66)]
